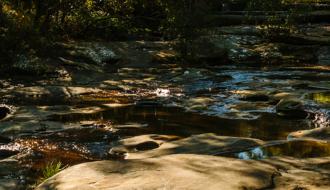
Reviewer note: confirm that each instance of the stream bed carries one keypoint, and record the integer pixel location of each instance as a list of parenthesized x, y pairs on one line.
[(84, 120)]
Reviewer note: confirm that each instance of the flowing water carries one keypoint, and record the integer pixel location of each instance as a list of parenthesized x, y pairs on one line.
[(181, 104)]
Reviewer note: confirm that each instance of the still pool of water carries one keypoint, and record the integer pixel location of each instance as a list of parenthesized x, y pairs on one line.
[(176, 121), (297, 149)]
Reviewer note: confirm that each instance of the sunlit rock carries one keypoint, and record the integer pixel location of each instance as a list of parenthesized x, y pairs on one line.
[(209, 144), (169, 172), (93, 52), (162, 92)]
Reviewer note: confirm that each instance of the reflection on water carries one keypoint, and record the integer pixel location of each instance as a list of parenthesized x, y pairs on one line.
[(176, 121), (297, 149), (321, 97)]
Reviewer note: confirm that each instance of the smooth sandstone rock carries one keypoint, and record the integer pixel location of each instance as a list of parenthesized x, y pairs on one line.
[(170, 172), (208, 143)]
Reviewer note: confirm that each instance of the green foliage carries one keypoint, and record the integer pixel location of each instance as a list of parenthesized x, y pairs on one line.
[(280, 16), (185, 21), (24, 25), (51, 169)]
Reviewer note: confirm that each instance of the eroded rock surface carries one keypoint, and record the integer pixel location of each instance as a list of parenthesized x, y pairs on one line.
[(182, 171), (169, 172), (209, 144)]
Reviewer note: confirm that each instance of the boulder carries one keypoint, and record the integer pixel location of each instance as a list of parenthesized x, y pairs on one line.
[(96, 53), (179, 171), (292, 108)]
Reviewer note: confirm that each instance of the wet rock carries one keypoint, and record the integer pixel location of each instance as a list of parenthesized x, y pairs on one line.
[(236, 47), (208, 50), (199, 103), (10, 184), (291, 108), (241, 107), (96, 53), (119, 153), (166, 56), (4, 111), (277, 97), (169, 172), (8, 167), (7, 153), (294, 148), (312, 173), (322, 133), (269, 52), (255, 97)]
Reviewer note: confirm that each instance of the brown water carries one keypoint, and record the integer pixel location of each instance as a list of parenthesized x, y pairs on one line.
[(177, 121)]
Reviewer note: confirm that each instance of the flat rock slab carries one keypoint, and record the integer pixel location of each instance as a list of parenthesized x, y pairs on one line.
[(179, 171), (190, 171), (208, 143)]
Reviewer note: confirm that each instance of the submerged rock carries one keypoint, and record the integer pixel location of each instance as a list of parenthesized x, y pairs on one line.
[(199, 103), (291, 108), (255, 97)]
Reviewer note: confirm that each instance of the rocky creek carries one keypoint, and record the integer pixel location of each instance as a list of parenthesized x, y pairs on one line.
[(270, 121)]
